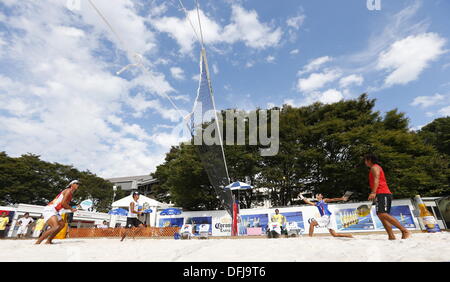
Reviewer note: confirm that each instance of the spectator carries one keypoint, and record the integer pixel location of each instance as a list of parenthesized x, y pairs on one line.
[(24, 222), (103, 225), (281, 219), (4, 220), (277, 217), (39, 227)]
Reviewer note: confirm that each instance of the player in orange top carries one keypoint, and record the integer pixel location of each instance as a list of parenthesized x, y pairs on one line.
[(382, 195), (51, 213)]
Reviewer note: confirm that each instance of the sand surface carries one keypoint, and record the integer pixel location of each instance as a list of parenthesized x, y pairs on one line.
[(421, 247)]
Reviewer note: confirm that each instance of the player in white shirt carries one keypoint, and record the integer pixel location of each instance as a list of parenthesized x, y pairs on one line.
[(132, 218), (24, 222)]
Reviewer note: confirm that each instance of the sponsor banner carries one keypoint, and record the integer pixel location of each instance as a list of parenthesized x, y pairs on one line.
[(348, 219), (221, 226), (253, 221), (197, 221), (401, 213), (296, 216), (256, 220), (171, 222)]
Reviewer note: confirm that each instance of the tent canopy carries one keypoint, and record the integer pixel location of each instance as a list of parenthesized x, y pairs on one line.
[(171, 211), (125, 202)]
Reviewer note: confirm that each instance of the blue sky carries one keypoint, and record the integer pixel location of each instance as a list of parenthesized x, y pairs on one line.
[(60, 96)]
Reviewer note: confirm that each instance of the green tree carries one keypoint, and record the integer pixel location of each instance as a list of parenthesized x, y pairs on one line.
[(183, 177), (27, 179), (437, 134)]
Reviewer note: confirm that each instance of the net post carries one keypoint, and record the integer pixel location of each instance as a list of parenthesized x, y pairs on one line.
[(234, 227)]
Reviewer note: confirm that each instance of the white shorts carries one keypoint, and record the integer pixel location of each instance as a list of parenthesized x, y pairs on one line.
[(326, 221), (22, 230), (49, 212)]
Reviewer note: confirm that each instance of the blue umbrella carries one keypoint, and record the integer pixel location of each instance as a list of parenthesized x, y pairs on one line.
[(118, 211), (148, 211), (171, 211), (239, 186)]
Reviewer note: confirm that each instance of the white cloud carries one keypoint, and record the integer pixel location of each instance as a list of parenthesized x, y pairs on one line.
[(249, 64), (445, 111), (215, 68), (290, 102), (400, 25), (166, 140), (417, 128), (442, 100), (270, 59), (317, 80), (153, 82), (315, 64), (125, 21), (331, 96), (428, 101), (181, 30), (128, 129), (327, 97), (296, 22), (294, 52), (245, 26), (177, 73), (353, 79), (407, 58), (64, 103), (196, 77), (140, 105), (158, 10)]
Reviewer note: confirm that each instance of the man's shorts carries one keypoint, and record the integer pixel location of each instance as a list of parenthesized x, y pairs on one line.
[(22, 230), (133, 222), (326, 221), (383, 203), (49, 212)]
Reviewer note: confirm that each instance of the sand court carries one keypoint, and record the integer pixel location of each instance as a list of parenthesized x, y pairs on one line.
[(423, 247)]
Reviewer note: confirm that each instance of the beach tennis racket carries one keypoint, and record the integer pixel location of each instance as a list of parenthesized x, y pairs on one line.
[(347, 194)]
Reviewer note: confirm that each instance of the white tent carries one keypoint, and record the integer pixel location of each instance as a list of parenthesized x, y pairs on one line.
[(153, 204), (125, 202)]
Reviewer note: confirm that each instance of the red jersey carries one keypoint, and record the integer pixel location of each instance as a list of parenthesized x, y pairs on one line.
[(57, 202), (382, 184)]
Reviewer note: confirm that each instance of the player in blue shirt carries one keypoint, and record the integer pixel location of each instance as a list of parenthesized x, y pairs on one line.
[(326, 218)]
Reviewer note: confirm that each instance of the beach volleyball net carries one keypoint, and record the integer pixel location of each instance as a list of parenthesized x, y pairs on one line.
[(205, 128)]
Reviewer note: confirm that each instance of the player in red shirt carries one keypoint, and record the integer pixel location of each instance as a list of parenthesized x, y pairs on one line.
[(52, 214), (381, 194)]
